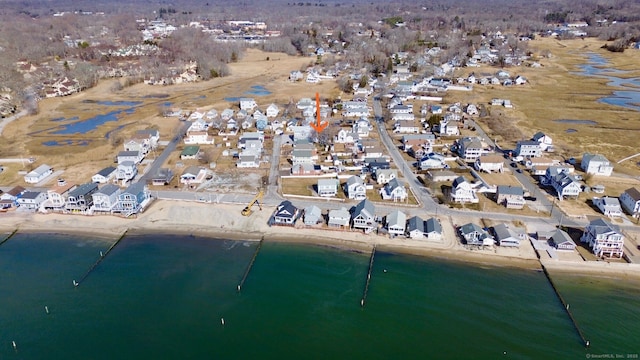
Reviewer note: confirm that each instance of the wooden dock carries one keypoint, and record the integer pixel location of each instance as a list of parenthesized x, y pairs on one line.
[(8, 237), (585, 342), (366, 285), (102, 257), (250, 266)]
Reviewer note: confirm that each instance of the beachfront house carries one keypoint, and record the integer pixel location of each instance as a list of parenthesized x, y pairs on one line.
[(609, 206), (10, 198), (430, 229), (596, 164), (31, 200), (285, 214), (505, 236), (38, 174), (363, 216), (132, 199), (462, 191), (489, 163), (57, 197), (396, 223), (328, 187), (512, 197), (562, 241), (80, 199), (473, 234), (312, 215), (604, 238), (105, 175), (355, 188), (394, 190), (106, 198), (630, 200), (339, 218)]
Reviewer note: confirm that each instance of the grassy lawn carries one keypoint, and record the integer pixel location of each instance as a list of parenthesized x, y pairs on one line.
[(500, 179)]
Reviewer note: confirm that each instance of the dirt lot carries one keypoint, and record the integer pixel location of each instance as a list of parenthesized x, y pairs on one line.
[(500, 179), (97, 147)]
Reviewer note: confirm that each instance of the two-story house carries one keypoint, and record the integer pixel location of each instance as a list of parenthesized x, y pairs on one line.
[(363, 216), (394, 190), (80, 199), (396, 223), (596, 164), (489, 163), (630, 200), (462, 191), (609, 206), (528, 148), (475, 235), (383, 176), (355, 188), (286, 214), (106, 198), (328, 187), (604, 238), (512, 197)]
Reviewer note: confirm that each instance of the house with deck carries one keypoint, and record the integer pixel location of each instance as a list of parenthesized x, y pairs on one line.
[(394, 190), (469, 149), (355, 188), (106, 198), (133, 199), (429, 229), (489, 163), (248, 104), (339, 218), (285, 214), (609, 206), (126, 171), (512, 197), (604, 238), (32, 200), (133, 156), (10, 198), (57, 197), (363, 216), (105, 175), (396, 223), (432, 161), (38, 174), (561, 240), (596, 164), (563, 182), (80, 199), (505, 236), (630, 200), (462, 191), (473, 234)]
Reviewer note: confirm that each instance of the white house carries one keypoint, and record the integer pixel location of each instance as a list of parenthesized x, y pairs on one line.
[(546, 143), (38, 174), (505, 236), (528, 148), (469, 148), (432, 161), (475, 235), (106, 198), (394, 190), (396, 222), (609, 206), (449, 128), (328, 187), (406, 127), (489, 163), (630, 200), (363, 216), (272, 111), (193, 175), (604, 238), (32, 200), (462, 191), (126, 171), (383, 176), (339, 218), (248, 104), (105, 175), (596, 164), (133, 156), (355, 188)]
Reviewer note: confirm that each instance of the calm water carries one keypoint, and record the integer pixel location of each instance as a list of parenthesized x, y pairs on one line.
[(163, 297), (628, 97)]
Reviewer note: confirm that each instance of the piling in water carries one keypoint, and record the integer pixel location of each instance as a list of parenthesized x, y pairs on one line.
[(253, 259), (366, 285), (585, 342), (102, 257), (9, 237)]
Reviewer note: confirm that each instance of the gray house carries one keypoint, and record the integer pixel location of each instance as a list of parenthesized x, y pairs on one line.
[(506, 236), (475, 235), (510, 196), (328, 187), (363, 216), (562, 241), (80, 198), (312, 215), (106, 198), (396, 222), (339, 218)]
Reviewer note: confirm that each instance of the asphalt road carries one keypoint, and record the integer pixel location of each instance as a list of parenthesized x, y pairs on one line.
[(157, 162)]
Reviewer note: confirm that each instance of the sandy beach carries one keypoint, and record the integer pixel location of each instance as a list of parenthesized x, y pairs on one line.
[(221, 221)]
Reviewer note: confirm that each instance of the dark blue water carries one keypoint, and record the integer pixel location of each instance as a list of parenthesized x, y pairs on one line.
[(163, 297), (66, 142), (85, 126), (628, 97)]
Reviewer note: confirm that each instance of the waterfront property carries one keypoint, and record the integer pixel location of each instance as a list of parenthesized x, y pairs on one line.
[(106, 198), (363, 216), (285, 214), (505, 236), (57, 197), (417, 228), (312, 215), (133, 199), (162, 177), (339, 218), (193, 175), (80, 198), (604, 238), (562, 241), (473, 234), (396, 223), (31, 200), (10, 198)]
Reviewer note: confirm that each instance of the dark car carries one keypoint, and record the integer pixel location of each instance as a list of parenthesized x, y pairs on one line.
[(514, 165), (519, 171)]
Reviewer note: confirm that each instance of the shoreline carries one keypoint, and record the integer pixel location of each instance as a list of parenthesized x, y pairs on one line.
[(195, 219)]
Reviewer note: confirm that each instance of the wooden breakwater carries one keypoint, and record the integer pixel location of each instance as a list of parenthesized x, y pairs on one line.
[(8, 237), (103, 255), (366, 285), (585, 342), (250, 266)]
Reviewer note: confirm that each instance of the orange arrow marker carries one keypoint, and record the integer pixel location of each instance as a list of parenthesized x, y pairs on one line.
[(318, 126)]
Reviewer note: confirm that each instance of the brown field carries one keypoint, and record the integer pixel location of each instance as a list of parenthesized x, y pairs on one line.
[(25, 136), (500, 179), (554, 92)]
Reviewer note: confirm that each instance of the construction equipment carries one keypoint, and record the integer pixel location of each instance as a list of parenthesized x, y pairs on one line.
[(256, 200)]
